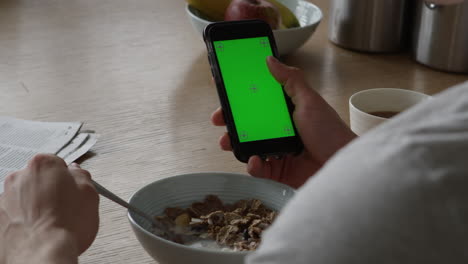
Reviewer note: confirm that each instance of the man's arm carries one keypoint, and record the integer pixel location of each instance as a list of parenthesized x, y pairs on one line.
[(51, 246), (396, 195)]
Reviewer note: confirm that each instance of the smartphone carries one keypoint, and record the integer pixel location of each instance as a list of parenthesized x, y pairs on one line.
[(257, 111)]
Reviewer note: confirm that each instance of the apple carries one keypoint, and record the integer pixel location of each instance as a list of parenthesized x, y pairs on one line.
[(253, 9)]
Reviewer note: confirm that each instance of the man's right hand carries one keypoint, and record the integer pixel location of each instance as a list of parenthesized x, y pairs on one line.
[(320, 127), (48, 212)]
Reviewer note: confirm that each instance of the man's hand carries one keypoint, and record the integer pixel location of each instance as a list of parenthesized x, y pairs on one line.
[(45, 206), (321, 129)]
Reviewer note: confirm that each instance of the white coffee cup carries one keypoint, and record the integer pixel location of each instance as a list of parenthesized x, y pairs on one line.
[(364, 105)]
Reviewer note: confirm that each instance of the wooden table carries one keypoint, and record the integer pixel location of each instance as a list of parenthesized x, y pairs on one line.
[(137, 73)]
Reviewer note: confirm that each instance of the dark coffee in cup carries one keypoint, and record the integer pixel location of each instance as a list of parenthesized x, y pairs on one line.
[(384, 114)]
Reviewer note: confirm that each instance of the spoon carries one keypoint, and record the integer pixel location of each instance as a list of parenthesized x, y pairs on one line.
[(113, 197), (163, 231)]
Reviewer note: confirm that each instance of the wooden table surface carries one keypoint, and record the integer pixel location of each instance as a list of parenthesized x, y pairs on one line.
[(136, 72)]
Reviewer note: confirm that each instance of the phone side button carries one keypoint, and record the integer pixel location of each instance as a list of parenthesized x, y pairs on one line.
[(211, 65), (212, 72)]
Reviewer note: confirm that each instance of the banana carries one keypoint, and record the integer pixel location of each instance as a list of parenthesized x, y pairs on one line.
[(287, 16), (214, 9)]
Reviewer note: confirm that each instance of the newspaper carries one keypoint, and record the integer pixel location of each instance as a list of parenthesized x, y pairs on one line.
[(20, 140), (78, 147)]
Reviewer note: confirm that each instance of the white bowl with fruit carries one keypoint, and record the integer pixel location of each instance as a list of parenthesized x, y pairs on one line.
[(293, 21)]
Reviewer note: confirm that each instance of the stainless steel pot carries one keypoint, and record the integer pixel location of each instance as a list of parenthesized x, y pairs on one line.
[(369, 25), (441, 36)]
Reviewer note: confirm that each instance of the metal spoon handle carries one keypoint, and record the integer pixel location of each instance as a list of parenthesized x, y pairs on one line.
[(111, 196), (162, 230)]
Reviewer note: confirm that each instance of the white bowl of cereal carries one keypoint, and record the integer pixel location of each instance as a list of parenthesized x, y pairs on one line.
[(246, 205)]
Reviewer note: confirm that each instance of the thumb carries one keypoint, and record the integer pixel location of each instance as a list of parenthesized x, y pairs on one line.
[(280, 71), (291, 78)]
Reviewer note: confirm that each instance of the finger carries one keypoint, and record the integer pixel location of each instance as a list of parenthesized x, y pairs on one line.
[(217, 117), (75, 165), (89, 200), (4, 219), (276, 166), (81, 176), (279, 70), (90, 220), (291, 77), (225, 142), (10, 179), (257, 167), (84, 184), (41, 161)]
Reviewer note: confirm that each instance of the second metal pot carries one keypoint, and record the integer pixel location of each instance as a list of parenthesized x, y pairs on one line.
[(441, 36)]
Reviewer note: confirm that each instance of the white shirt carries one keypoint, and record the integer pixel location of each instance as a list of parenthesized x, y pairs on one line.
[(399, 194)]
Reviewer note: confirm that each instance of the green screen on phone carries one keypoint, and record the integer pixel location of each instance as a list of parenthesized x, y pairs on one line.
[(257, 101)]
